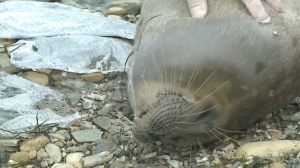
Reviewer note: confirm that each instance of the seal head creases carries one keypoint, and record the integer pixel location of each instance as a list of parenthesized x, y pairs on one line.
[(198, 80)]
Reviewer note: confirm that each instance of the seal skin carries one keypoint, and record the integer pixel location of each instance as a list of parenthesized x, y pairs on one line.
[(197, 80)]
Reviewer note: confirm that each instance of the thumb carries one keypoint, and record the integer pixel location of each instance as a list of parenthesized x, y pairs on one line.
[(198, 8)]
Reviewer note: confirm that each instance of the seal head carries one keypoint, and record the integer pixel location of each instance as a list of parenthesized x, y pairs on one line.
[(199, 80)]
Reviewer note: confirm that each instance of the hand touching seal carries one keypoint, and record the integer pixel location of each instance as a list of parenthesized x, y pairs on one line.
[(199, 9)]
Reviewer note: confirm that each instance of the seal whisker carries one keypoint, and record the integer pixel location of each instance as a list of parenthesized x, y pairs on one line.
[(199, 112), (209, 95), (206, 80), (226, 130), (163, 56), (189, 123), (225, 135), (156, 68), (215, 135), (180, 128), (201, 147)]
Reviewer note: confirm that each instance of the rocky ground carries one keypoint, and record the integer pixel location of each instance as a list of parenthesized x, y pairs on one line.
[(104, 138)]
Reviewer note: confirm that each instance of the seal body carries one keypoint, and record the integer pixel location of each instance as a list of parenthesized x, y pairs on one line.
[(200, 79)]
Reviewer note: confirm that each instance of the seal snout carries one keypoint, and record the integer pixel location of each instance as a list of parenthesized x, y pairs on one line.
[(172, 118)]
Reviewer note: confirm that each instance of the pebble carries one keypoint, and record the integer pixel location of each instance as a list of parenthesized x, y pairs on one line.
[(2, 49), (277, 165), (174, 163), (57, 77), (115, 17), (20, 157), (6, 65), (105, 145), (266, 148), (74, 157), (42, 155), (10, 142), (150, 155), (98, 159), (54, 152), (117, 165), (94, 77), (295, 117), (96, 96), (44, 71), (44, 164), (117, 11), (57, 136), (275, 134), (59, 144), (104, 123), (81, 148), (38, 78), (89, 135), (64, 133), (34, 144), (32, 154), (63, 165)]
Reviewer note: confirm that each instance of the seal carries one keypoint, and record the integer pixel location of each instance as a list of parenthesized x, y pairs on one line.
[(198, 80)]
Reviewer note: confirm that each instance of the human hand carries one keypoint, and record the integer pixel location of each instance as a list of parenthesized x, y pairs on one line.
[(199, 9)]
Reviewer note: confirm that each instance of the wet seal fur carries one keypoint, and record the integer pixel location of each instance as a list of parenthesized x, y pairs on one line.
[(193, 80)]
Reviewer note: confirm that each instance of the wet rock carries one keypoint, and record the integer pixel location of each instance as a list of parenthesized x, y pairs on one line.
[(74, 157), (117, 11), (54, 152), (6, 65), (34, 144), (90, 135), (38, 78), (44, 71), (32, 154), (20, 157), (94, 77), (74, 98), (98, 159), (103, 123)]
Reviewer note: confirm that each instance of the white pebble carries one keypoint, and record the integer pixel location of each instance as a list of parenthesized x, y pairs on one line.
[(150, 155)]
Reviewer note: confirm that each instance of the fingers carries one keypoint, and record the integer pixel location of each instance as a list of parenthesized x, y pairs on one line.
[(275, 4), (198, 8), (257, 10)]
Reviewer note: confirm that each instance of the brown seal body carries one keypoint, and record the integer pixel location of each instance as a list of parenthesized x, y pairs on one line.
[(192, 79)]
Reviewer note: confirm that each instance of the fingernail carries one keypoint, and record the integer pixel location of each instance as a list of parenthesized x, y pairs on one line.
[(265, 21)]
